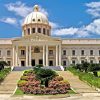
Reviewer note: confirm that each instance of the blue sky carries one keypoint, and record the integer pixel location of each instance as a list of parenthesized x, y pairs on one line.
[(68, 18)]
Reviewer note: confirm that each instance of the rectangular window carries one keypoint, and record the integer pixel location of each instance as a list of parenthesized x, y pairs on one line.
[(91, 61), (22, 52), (82, 61), (64, 52), (64, 63), (91, 52), (50, 52), (73, 52), (73, 62), (33, 30), (82, 52), (39, 30), (8, 52)]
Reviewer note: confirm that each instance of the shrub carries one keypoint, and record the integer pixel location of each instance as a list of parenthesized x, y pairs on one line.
[(22, 83), (58, 78)]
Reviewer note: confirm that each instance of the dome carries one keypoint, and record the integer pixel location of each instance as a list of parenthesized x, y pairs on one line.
[(36, 17)]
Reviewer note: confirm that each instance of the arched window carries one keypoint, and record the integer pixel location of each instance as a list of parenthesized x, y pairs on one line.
[(39, 30), (28, 31), (44, 31), (33, 30)]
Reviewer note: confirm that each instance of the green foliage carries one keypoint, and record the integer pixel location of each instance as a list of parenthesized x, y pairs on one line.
[(2, 64), (88, 77), (45, 75), (3, 73)]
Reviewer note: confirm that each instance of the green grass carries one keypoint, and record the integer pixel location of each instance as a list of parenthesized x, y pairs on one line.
[(87, 77), (19, 92)]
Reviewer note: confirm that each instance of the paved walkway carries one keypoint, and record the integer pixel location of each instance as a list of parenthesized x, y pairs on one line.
[(78, 85), (9, 84)]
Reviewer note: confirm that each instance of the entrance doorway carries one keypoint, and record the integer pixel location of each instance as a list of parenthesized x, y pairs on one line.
[(40, 62), (50, 63), (22, 63), (33, 62)]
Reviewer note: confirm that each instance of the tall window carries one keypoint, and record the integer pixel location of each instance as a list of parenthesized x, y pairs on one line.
[(73, 62), (91, 52), (82, 52), (33, 30), (8, 52), (73, 52), (64, 52), (28, 31), (44, 31), (22, 52), (64, 63), (82, 61), (39, 30), (91, 61)]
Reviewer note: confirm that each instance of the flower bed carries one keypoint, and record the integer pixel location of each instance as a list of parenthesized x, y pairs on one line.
[(29, 84)]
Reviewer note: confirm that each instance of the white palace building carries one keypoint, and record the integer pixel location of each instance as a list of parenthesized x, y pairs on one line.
[(36, 46)]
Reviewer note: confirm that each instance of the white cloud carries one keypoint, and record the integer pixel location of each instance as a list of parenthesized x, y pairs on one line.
[(93, 8), (19, 8), (9, 20), (53, 25), (65, 31)]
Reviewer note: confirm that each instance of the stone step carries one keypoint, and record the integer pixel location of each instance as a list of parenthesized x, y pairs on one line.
[(8, 86)]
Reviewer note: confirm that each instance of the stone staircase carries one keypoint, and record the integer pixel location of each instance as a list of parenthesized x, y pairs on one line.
[(8, 86)]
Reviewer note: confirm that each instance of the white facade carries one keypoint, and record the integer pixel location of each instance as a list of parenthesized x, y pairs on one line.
[(36, 46)]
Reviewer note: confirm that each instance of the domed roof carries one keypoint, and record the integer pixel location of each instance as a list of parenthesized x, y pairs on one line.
[(36, 17)]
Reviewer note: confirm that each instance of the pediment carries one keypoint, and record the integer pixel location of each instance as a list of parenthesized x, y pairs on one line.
[(36, 37)]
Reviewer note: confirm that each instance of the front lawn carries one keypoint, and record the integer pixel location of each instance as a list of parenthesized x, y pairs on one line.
[(88, 77), (42, 82)]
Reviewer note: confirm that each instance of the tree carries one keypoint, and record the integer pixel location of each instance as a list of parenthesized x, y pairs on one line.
[(85, 66), (2, 64), (45, 75), (94, 68)]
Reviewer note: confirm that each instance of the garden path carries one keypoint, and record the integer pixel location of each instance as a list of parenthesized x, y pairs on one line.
[(76, 84), (9, 84)]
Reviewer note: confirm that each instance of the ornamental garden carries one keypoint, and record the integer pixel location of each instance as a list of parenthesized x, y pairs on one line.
[(42, 82)]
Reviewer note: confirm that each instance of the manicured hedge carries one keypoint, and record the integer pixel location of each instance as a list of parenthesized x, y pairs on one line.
[(3, 73), (88, 77)]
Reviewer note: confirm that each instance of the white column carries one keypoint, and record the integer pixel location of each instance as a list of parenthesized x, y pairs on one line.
[(46, 55), (30, 56), (13, 55), (26, 55), (56, 55), (59, 55), (16, 55)]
